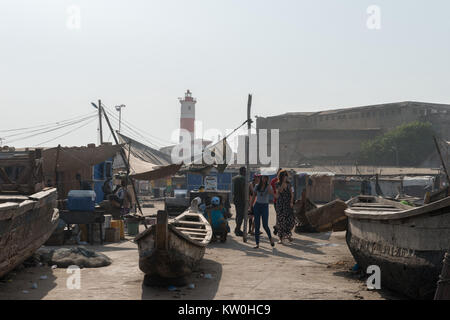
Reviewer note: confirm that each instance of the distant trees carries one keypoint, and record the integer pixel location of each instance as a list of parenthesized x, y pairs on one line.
[(407, 145)]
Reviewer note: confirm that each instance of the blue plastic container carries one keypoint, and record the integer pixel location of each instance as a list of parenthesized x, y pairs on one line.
[(81, 200)]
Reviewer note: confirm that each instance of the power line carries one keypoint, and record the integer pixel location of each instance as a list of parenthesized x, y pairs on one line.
[(47, 124), (129, 128), (68, 132), (51, 130), (62, 125), (136, 129)]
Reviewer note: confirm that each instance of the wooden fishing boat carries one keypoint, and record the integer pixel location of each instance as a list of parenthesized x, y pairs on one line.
[(300, 208), (28, 214), (443, 285), (26, 222), (311, 218), (329, 217), (407, 243), (171, 249)]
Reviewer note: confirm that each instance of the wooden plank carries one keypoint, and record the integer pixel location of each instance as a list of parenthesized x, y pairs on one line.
[(374, 205), (161, 230), (12, 198), (194, 233), (376, 209), (191, 229), (16, 162), (189, 223), (197, 238), (4, 176)]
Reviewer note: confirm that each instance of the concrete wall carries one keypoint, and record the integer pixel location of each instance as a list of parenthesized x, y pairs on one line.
[(335, 136)]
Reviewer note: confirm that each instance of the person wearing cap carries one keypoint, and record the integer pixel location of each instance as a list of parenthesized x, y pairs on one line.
[(261, 208), (239, 199)]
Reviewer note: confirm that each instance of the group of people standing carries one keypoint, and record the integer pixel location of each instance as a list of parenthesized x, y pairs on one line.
[(260, 190)]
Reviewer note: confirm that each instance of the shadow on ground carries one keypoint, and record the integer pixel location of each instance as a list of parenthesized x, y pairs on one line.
[(32, 283), (360, 276), (235, 243), (204, 288)]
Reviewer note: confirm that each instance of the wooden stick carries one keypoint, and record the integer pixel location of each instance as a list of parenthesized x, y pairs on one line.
[(442, 159), (247, 167), (161, 230)]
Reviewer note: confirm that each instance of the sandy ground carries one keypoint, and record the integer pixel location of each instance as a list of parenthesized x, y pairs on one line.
[(314, 266)]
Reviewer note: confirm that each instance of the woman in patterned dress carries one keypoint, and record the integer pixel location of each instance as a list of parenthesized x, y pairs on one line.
[(285, 203)]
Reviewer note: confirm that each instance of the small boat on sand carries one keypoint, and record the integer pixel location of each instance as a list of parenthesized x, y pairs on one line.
[(26, 222), (407, 243), (171, 249), (329, 217)]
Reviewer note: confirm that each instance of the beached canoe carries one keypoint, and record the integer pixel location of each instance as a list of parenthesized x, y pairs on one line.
[(407, 243), (26, 222), (171, 249), (329, 217)]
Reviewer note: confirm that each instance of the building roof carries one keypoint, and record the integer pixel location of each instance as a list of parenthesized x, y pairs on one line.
[(369, 170), (368, 107)]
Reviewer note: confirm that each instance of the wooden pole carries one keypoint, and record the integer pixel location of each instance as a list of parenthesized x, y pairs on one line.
[(443, 285), (125, 160), (247, 166), (442, 159), (161, 230), (58, 150), (100, 126)]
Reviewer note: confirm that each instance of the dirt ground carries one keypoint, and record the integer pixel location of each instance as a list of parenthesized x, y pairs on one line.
[(314, 266)]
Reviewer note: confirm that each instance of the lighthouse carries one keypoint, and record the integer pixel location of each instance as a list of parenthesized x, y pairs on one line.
[(187, 116)]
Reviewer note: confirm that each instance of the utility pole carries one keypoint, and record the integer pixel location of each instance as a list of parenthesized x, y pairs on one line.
[(119, 109), (247, 165), (100, 128), (126, 162)]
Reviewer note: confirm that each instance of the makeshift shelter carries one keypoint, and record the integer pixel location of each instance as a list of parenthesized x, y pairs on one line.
[(318, 185), (146, 163), (66, 167)]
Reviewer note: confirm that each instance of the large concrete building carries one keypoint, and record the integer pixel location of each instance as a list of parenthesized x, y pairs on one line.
[(334, 137)]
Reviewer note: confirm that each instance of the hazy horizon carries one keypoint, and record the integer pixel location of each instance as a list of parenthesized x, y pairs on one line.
[(292, 55)]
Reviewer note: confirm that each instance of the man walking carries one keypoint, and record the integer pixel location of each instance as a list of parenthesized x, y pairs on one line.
[(239, 199)]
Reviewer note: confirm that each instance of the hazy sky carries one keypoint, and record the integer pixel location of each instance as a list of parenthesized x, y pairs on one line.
[(292, 55)]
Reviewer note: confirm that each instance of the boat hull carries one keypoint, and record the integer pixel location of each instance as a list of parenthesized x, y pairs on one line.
[(408, 251), (26, 228), (177, 261)]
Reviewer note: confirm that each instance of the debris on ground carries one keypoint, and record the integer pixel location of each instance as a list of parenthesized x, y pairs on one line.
[(78, 256)]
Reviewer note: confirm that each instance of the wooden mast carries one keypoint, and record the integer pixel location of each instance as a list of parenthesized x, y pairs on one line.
[(247, 166)]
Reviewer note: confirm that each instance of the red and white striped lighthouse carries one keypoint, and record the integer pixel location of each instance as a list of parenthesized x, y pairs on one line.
[(187, 116)]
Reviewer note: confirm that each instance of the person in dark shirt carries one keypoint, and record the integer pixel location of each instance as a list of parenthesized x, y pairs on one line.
[(239, 199)]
